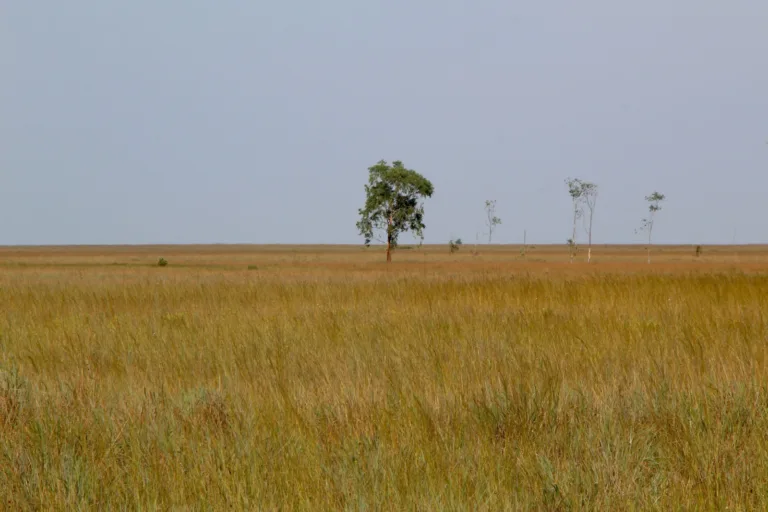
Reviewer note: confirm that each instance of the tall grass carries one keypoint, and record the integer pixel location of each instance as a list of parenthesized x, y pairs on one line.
[(484, 391)]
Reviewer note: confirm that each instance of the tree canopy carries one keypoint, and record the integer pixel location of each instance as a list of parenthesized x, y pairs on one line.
[(393, 203)]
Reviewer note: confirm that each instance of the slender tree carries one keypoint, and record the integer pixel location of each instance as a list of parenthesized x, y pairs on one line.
[(589, 197), (654, 206), (492, 220), (393, 203), (525, 243), (575, 190)]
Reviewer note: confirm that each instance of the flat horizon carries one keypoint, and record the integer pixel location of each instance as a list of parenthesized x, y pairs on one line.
[(248, 244)]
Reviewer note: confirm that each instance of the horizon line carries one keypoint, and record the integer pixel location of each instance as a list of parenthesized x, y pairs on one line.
[(278, 244)]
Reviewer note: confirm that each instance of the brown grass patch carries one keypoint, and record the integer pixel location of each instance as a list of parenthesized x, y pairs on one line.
[(326, 379)]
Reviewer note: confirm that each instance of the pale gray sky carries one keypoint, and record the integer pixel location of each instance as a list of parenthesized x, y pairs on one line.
[(185, 121)]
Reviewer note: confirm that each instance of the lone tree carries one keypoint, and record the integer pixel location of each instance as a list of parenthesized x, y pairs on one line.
[(589, 198), (393, 203), (576, 191), (492, 220), (654, 206)]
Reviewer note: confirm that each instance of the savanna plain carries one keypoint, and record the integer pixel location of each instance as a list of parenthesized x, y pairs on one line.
[(321, 378)]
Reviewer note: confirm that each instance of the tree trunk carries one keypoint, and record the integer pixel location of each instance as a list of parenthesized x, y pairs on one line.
[(650, 233), (573, 236), (389, 239), (525, 241), (589, 249)]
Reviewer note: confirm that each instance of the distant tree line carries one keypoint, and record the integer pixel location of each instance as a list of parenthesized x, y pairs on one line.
[(394, 204)]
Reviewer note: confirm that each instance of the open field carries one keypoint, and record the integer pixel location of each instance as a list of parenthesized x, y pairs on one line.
[(320, 378)]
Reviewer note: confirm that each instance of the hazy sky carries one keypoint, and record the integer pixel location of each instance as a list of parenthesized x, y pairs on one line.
[(183, 121)]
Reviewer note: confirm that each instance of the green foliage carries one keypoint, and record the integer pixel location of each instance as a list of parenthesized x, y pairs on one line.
[(454, 245), (393, 202), (655, 201), (575, 189), (162, 262), (654, 206)]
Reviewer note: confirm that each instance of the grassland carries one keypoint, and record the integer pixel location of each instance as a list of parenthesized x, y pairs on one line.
[(320, 378)]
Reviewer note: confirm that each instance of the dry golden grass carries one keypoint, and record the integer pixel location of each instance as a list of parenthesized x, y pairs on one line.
[(324, 379)]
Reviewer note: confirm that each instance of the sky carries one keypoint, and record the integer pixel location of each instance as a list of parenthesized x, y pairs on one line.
[(192, 121)]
